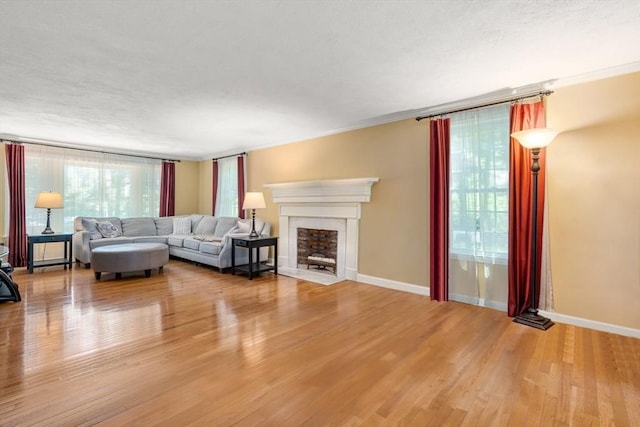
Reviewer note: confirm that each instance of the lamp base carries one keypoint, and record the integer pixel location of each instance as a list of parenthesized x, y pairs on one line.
[(533, 319), (253, 233), (47, 229)]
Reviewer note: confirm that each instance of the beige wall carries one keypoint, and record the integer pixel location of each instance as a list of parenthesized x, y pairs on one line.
[(187, 181), (394, 224), (593, 174), (205, 187)]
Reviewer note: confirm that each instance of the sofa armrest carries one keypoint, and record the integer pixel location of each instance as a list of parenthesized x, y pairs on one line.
[(81, 250)]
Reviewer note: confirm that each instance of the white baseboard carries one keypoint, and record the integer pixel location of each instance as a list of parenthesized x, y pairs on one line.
[(393, 284), (591, 324), (556, 317)]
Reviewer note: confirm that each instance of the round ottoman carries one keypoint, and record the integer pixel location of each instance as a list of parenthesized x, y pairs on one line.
[(129, 257)]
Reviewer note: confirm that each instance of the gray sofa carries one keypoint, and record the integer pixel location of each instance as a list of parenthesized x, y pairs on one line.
[(203, 239)]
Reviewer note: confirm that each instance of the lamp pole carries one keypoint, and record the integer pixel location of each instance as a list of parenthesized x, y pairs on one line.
[(531, 317)]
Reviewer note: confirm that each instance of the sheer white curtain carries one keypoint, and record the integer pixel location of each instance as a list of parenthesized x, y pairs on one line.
[(478, 206), (92, 184), (227, 195)]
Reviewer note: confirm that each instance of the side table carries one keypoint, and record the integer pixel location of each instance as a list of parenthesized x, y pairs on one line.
[(254, 243), (34, 239)]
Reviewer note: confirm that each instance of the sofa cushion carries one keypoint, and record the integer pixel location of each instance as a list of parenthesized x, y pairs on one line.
[(107, 229), (164, 225), (212, 248), (207, 226), (175, 240), (91, 225), (104, 242), (150, 239), (132, 227), (182, 226), (224, 225), (195, 221), (190, 243), (242, 227), (208, 238)]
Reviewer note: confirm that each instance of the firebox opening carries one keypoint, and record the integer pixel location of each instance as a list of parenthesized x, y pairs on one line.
[(317, 249)]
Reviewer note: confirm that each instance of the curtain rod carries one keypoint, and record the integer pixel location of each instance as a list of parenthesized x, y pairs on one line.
[(504, 101), (230, 155), (90, 150)]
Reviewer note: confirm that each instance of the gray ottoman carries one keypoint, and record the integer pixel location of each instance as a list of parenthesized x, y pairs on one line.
[(129, 257)]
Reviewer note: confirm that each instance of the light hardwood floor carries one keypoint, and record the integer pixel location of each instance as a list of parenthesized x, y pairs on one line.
[(191, 346)]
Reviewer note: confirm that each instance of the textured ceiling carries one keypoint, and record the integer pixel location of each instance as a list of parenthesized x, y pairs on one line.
[(193, 79)]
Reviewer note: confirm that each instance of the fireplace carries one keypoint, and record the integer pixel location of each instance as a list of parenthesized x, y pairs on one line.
[(332, 205), (317, 249)]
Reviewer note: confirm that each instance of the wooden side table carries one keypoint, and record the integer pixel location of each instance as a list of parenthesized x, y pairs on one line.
[(34, 239), (252, 243)]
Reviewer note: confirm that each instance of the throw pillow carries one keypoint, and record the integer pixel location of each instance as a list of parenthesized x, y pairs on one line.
[(243, 227), (164, 225), (207, 225), (91, 225), (182, 226), (224, 225), (107, 229)]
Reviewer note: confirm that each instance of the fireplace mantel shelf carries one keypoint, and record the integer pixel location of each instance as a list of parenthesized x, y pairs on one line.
[(323, 191)]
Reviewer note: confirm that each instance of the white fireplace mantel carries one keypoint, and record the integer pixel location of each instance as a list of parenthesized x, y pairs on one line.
[(321, 202), (328, 190)]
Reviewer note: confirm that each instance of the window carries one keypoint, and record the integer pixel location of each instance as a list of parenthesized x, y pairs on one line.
[(92, 184), (227, 194), (479, 183)]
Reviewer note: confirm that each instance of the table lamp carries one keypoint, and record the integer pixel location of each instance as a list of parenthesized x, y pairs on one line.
[(48, 201), (253, 201)]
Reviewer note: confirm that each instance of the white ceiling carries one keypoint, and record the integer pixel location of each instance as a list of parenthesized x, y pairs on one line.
[(194, 79)]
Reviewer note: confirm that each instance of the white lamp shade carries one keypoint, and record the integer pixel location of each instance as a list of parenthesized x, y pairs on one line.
[(536, 137), (253, 200), (49, 200)]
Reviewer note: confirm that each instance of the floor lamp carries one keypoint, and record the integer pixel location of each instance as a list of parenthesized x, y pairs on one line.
[(534, 140), (253, 200)]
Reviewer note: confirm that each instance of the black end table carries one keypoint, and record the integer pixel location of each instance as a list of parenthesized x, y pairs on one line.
[(34, 239), (252, 243)]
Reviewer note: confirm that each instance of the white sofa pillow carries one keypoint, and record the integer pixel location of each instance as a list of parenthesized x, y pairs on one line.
[(242, 227), (182, 226), (207, 225), (91, 225), (108, 230)]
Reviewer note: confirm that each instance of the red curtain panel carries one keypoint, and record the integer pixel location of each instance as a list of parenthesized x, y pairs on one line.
[(240, 186), (168, 189), (439, 209), (14, 154), (214, 186)]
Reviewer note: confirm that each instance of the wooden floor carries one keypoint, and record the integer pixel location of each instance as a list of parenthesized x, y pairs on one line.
[(191, 346)]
